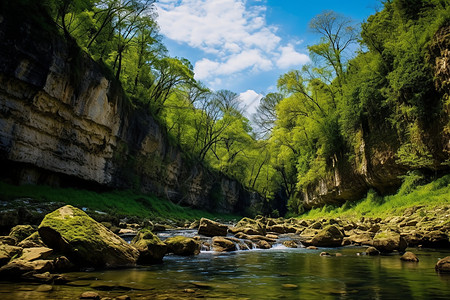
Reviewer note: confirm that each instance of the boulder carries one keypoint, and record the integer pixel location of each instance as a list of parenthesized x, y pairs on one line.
[(409, 256), (361, 238), (443, 265), (221, 244), (250, 226), (263, 245), (290, 244), (8, 240), (34, 240), (211, 228), (17, 268), (435, 239), (372, 251), (21, 232), (30, 254), (151, 249), (330, 236), (84, 241), (181, 245), (388, 241), (7, 252)]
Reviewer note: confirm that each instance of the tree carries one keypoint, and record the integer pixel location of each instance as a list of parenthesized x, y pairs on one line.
[(266, 115), (337, 35)]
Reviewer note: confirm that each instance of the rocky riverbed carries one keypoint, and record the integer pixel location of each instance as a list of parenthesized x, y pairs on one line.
[(68, 240)]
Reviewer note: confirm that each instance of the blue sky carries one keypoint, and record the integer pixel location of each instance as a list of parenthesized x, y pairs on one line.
[(245, 45)]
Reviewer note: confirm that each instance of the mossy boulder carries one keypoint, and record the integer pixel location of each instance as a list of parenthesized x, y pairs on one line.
[(221, 244), (84, 241), (388, 241), (211, 228), (330, 236), (151, 248), (181, 245), (249, 226), (21, 232)]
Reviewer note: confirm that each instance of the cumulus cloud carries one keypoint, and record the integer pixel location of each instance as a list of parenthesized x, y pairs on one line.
[(290, 57), (234, 36)]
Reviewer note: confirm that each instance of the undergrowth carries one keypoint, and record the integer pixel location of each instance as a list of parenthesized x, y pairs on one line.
[(118, 203), (431, 195)]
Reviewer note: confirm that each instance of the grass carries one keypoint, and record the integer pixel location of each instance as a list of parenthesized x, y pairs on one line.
[(120, 203), (431, 195)]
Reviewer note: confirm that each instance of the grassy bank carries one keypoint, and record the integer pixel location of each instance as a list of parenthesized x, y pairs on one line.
[(433, 194), (119, 203)]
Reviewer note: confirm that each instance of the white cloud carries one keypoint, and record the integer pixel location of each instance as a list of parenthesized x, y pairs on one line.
[(250, 100), (234, 36), (289, 57)]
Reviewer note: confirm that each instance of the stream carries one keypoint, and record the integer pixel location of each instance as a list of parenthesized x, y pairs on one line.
[(277, 273)]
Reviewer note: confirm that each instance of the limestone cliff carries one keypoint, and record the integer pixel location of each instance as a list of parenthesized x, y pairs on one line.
[(375, 162), (62, 121)]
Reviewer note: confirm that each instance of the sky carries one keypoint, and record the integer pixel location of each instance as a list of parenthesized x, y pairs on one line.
[(245, 45)]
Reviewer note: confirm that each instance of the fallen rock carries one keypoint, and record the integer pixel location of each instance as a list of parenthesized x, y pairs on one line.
[(249, 226), (17, 268), (290, 244), (221, 244), (409, 256), (263, 245), (372, 251), (30, 254), (84, 241), (32, 241), (388, 241), (443, 265), (181, 245), (151, 249), (211, 228), (361, 238), (90, 295), (7, 252), (330, 236), (21, 232)]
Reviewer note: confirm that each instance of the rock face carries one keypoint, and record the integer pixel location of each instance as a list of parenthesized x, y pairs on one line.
[(151, 249), (84, 241), (62, 120), (376, 164)]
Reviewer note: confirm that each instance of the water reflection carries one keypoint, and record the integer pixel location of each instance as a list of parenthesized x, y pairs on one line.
[(268, 274)]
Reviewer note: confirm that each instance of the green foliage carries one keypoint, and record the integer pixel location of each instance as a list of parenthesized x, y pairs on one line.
[(410, 194)]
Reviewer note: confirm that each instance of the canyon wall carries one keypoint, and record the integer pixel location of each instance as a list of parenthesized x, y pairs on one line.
[(64, 122)]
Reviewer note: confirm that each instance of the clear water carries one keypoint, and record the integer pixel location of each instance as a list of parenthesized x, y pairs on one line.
[(278, 273)]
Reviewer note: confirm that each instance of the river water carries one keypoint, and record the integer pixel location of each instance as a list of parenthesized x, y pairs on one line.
[(277, 273)]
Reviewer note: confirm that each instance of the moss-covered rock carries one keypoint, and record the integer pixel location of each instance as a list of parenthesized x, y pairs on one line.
[(330, 236), (250, 226), (34, 240), (84, 241), (181, 245), (211, 228), (388, 241), (221, 244), (21, 232), (151, 248)]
